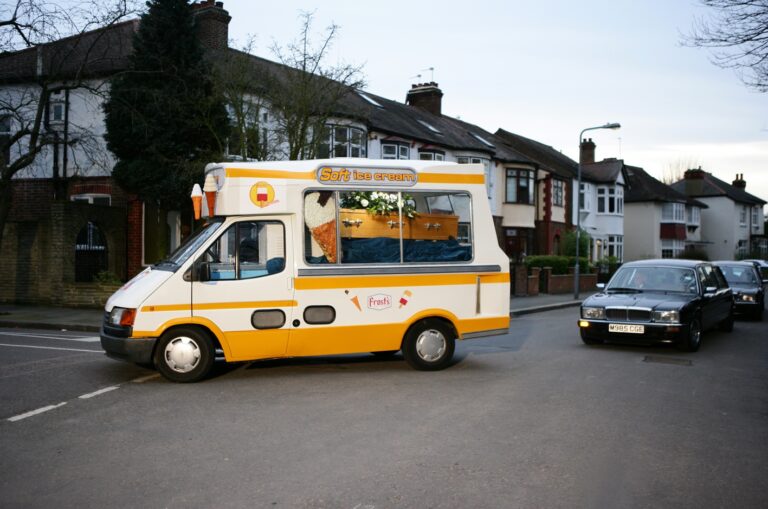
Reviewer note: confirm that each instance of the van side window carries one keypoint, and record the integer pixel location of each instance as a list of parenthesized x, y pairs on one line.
[(392, 227), (246, 250)]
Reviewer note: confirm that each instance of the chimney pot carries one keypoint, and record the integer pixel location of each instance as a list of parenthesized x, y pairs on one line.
[(426, 96)]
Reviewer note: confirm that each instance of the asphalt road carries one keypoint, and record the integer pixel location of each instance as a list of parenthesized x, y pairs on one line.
[(531, 419)]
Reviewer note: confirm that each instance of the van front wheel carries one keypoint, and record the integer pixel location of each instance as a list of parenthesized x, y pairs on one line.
[(428, 345), (184, 355)]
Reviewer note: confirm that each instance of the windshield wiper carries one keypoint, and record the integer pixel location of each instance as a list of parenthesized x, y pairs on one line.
[(623, 290)]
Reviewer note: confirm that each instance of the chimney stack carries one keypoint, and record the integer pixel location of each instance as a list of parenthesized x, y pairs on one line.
[(740, 182), (212, 23), (587, 151), (694, 181), (426, 96)]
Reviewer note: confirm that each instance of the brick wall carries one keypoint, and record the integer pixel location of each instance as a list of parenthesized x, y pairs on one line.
[(563, 283)]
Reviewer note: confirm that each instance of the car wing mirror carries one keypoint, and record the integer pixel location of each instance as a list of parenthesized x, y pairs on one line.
[(710, 291), (600, 286)]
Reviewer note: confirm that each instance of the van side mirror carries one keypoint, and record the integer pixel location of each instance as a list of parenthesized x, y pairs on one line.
[(600, 286)]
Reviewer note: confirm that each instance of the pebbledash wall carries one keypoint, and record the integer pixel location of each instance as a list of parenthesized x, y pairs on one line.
[(40, 240)]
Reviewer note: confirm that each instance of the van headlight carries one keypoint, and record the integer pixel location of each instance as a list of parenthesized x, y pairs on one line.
[(593, 313), (122, 316), (669, 316)]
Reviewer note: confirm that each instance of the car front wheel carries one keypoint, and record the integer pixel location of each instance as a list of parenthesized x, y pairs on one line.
[(692, 341)]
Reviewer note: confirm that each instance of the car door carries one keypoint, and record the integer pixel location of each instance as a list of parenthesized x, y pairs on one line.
[(716, 303), (244, 291)]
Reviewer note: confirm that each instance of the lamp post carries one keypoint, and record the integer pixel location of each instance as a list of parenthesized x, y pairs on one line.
[(611, 125)]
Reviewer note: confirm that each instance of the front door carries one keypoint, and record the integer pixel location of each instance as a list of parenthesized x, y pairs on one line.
[(246, 295)]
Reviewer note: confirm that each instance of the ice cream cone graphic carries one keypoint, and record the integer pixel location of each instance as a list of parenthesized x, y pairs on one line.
[(197, 200), (404, 299), (355, 300), (210, 188)]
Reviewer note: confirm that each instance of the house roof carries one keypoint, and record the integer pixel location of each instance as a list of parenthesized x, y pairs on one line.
[(642, 187), (704, 185), (546, 156), (605, 171), (105, 51)]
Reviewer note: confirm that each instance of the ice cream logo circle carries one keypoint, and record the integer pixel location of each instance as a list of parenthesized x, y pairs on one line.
[(262, 194)]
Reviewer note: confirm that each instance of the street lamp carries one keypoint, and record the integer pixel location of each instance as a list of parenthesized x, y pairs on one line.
[(611, 125)]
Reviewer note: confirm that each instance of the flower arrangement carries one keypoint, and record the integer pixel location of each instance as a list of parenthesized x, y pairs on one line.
[(378, 202)]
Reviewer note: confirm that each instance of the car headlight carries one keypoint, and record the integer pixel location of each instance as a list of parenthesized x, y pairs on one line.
[(122, 316), (668, 316), (743, 297), (594, 313)]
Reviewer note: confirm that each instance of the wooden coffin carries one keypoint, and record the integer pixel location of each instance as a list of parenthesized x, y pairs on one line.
[(363, 225)]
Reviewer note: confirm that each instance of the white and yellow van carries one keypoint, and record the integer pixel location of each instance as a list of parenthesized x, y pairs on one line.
[(304, 258)]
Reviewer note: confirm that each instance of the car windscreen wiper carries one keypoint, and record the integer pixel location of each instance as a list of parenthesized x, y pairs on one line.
[(623, 289)]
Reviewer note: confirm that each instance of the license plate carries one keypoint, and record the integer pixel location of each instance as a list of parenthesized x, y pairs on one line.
[(626, 328)]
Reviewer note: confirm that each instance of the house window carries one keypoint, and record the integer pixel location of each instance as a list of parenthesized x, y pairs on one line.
[(615, 246), (558, 192), (395, 151), (755, 224), (431, 155), (610, 200), (342, 141), (520, 186), (93, 198), (673, 213), (693, 216), (5, 137), (743, 216), (90, 253), (486, 167), (672, 248)]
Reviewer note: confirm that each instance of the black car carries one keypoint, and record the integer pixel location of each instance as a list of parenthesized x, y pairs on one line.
[(669, 301), (747, 285)]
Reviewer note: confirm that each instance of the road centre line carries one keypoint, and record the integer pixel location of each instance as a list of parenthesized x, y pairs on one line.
[(143, 379), (85, 339), (53, 348), (35, 412), (100, 391)]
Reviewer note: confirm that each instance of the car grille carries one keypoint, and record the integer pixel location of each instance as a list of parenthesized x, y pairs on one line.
[(628, 314)]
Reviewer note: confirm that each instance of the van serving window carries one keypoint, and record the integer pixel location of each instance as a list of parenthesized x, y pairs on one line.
[(387, 227)]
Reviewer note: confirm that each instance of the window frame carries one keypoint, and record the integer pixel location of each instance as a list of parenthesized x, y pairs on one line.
[(558, 193), (398, 146), (237, 271), (328, 144), (517, 176)]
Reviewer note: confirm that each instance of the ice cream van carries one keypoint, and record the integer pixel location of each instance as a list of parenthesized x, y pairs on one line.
[(322, 257)]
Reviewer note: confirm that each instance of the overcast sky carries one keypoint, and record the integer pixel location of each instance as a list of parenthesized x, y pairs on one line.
[(546, 70)]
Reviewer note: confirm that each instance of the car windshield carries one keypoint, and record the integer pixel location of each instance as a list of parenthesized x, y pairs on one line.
[(739, 275), (653, 279), (188, 248)]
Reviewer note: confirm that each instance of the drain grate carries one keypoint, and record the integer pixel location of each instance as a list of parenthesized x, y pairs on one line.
[(667, 360)]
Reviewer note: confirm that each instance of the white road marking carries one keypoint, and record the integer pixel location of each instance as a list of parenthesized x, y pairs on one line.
[(35, 412), (100, 391), (145, 378), (84, 339), (53, 348)]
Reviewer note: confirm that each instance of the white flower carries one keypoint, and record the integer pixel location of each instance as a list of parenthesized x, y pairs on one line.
[(364, 202), (392, 198)]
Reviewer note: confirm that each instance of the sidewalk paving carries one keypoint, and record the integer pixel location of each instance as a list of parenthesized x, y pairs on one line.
[(89, 320)]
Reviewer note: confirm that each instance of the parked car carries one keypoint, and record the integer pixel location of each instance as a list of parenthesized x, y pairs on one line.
[(762, 267), (668, 301), (748, 287)]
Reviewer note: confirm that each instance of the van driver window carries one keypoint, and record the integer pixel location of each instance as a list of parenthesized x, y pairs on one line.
[(246, 250)]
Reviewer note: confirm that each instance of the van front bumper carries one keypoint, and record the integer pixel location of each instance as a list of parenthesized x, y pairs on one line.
[(138, 350)]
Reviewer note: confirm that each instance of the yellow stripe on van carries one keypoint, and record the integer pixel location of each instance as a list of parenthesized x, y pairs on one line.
[(328, 283), (223, 305), (428, 178), (451, 178), (274, 174)]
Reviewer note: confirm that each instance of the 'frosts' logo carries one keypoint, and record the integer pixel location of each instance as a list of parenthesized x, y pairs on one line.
[(379, 301)]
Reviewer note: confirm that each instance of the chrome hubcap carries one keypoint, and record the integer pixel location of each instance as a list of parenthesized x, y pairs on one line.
[(182, 354), (430, 345)]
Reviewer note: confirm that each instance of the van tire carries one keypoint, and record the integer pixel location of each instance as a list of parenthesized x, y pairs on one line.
[(429, 345), (184, 354)]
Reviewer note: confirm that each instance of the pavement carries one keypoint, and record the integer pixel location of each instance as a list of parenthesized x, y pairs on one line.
[(89, 320)]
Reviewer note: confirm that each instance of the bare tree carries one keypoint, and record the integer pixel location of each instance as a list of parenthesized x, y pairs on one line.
[(307, 93), (47, 48), (675, 170), (737, 33)]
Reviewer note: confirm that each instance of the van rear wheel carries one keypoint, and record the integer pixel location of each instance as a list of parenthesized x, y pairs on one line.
[(184, 355), (429, 345)]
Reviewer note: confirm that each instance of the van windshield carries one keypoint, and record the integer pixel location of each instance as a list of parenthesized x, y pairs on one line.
[(188, 248)]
